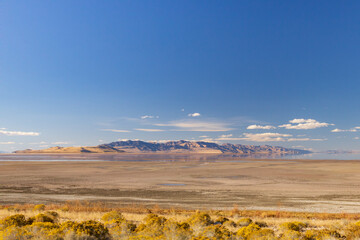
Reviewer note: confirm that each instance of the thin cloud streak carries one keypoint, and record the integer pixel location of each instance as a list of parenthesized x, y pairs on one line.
[(116, 130), (336, 130), (7, 143), (266, 137), (149, 130), (267, 127), (148, 117), (196, 126), (194, 114), (18, 133)]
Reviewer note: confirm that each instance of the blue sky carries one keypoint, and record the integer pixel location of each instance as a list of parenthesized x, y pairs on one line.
[(89, 72)]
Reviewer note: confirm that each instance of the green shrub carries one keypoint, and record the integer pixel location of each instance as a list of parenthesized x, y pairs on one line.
[(200, 218), (322, 234), (215, 232), (245, 232), (68, 225), (262, 234), (294, 226), (114, 216), (39, 207), (153, 226), (175, 230), (91, 228), (41, 217), (17, 220), (14, 233), (123, 230), (291, 235)]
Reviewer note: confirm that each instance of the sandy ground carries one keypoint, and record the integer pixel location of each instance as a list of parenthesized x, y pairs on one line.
[(299, 185)]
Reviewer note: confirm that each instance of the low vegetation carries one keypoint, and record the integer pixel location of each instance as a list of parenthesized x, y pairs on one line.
[(86, 221)]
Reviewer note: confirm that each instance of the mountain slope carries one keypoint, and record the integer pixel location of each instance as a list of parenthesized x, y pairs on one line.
[(170, 147), (199, 147), (98, 149)]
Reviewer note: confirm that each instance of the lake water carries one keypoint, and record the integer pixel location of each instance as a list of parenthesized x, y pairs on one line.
[(172, 157)]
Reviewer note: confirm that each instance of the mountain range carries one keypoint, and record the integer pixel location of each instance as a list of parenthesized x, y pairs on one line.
[(181, 146)]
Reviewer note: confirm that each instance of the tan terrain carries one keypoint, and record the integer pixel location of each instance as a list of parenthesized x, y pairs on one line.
[(185, 181)]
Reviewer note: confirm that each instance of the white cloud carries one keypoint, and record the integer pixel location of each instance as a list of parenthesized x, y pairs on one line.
[(18, 133), (356, 138), (148, 117), (116, 130), (37, 143), (149, 130), (304, 124), (204, 136), (266, 137), (6, 143), (354, 129), (60, 143), (194, 114), (196, 126), (225, 136), (208, 140), (305, 139), (267, 127), (344, 130)]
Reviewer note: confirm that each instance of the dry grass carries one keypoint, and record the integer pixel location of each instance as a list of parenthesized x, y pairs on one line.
[(84, 210)]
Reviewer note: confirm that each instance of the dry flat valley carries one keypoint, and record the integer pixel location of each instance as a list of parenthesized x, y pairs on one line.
[(192, 182)]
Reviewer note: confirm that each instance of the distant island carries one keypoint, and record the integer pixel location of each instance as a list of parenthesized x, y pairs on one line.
[(181, 146)]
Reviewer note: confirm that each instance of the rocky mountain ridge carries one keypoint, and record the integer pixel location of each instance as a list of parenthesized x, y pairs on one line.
[(170, 147), (183, 146)]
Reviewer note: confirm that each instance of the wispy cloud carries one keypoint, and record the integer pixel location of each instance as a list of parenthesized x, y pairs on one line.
[(148, 117), (305, 124), (196, 126), (203, 136), (225, 136), (266, 137), (60, 143), (267, 127), (343, 130), (305, 139), (18, 133), (149, 130), (194, 114), (7, 143), (354, 129), (115, 130)]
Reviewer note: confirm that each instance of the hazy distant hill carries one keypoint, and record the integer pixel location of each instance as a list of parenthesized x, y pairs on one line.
[(198, 147), (98, 149)]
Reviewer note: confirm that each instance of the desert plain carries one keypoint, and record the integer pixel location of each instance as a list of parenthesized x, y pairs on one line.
[(188, 182)]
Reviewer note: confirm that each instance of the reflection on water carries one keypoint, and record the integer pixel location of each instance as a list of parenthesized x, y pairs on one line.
[(173, 157)]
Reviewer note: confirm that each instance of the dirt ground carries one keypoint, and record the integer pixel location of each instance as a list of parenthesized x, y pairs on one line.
[(187, 182)]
